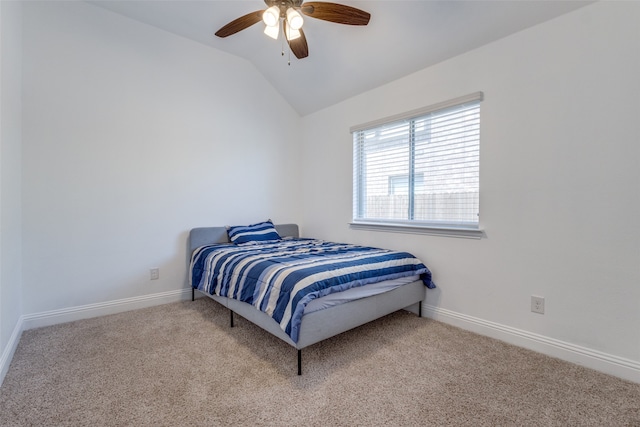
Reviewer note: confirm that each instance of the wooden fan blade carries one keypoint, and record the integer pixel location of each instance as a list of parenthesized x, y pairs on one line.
[(298, 46), (240, 24), (335, 12)]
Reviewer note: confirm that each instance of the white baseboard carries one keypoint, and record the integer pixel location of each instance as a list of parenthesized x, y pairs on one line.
[(10, 349), (613, 365), (53, 317), (70, 314), (603, 362)]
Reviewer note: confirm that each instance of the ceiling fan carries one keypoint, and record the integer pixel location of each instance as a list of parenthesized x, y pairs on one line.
[(288, 12)]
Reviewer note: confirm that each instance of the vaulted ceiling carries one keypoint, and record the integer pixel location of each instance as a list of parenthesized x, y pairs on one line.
[(401, 38)]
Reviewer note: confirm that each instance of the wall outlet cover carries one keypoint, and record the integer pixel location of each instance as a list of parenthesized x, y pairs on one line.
[(537, 304)]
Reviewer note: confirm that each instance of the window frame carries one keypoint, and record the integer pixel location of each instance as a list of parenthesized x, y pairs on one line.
[(410, 225)]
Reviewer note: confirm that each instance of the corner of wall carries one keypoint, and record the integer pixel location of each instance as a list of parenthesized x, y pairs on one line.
[(10, 181)]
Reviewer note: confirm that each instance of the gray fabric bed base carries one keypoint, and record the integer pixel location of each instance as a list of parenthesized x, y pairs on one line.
[(322, 324)]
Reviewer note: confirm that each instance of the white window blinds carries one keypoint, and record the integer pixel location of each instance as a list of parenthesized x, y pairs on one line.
[(420, 168)]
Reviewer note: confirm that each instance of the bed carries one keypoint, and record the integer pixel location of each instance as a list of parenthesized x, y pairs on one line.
[(325, 313)]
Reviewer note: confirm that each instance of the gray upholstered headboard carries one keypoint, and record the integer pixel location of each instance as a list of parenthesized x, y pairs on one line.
[(209, 235)]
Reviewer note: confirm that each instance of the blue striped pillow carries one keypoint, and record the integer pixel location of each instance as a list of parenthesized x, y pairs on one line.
[(260, 232)]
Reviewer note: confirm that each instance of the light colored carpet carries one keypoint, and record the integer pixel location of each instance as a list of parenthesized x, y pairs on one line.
[(181, 364)]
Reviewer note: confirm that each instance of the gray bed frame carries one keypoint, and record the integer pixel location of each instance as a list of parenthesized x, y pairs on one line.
[(322, 324)]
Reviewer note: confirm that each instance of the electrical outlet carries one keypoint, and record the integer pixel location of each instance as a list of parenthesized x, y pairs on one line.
[(537, 304), (154, 274)]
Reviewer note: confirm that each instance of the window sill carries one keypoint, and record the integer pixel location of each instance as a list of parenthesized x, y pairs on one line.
[(465, 233)]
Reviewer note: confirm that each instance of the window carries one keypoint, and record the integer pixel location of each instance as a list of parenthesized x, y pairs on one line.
[(399, 184), (420, 168)]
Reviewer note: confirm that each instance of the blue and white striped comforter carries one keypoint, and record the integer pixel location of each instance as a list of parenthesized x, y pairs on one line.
[(281, 277)]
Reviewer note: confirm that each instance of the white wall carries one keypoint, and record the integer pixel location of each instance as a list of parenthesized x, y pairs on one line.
[(131, 137), (10, 188), (560, 183)]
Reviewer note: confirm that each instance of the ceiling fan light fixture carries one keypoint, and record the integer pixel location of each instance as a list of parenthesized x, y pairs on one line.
[(271, 16), (294, 19), (272, 31)]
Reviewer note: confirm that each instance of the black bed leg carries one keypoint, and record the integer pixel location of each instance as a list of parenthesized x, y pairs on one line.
[(231, 317), (420, 309), (193, 294), (299, 362)]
